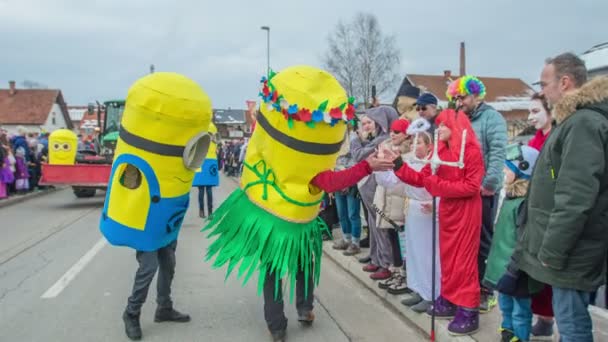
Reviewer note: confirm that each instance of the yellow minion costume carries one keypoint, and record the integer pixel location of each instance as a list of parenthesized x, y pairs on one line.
[(270, 224), (207, 174), (162, 141)]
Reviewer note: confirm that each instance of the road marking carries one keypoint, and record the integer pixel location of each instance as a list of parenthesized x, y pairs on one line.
[(65, 280)]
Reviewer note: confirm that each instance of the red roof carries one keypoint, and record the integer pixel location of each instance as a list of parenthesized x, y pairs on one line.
[(30, 106), (495, 87)]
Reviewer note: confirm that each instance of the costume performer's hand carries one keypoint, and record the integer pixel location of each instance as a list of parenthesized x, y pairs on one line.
[(427, 208)]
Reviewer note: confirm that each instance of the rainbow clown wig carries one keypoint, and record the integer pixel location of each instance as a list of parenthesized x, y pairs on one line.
[(466, 85)]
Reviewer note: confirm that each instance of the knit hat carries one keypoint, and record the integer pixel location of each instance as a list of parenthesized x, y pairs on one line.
[(400, 126), (466, 85), (521, 160)]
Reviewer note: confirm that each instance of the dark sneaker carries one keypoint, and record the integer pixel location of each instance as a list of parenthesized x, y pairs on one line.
[(201, 214), (341, 245), (487, 302), (542, 330), (306, 318), (170, 315), (466, 322), (132, 327), (352, 250), (506, 335), (443, 309), (279, 336)]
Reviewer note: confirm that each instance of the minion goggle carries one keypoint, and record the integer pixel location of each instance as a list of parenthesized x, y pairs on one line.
[(515, 155), (192, 154)]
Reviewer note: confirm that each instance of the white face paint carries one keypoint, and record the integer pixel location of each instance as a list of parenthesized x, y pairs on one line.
[(538, 116)]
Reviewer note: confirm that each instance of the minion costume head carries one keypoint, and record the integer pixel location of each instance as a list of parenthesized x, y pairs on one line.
[(63, 144), (271, 223), (162, 140), (207, 174)]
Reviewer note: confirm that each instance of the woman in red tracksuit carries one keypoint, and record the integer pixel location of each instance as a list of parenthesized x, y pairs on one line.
[(459, 219)]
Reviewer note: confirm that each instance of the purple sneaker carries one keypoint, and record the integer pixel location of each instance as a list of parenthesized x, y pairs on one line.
[(466, 322), (443, 309)]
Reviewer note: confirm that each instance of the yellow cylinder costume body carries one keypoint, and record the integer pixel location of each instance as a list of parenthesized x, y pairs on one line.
[(271, 223), (162, 140), (63, 145), (207, 174)]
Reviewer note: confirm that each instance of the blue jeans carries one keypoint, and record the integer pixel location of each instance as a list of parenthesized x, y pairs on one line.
[(201, 198), (348, 208), (571, 314), (516, 315)]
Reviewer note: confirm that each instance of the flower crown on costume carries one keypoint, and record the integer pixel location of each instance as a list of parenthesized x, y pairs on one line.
[(466, 85), (292, 112)]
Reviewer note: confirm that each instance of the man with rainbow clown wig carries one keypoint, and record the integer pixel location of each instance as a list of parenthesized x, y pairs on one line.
[(491, 129), (270, 224), (162, 141)]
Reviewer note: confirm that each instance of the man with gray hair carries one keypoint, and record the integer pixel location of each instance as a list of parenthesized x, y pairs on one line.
[(565, 240)]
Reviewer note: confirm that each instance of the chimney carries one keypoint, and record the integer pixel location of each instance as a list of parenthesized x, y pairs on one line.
[(463, 63), (447, 73), (11, 90)]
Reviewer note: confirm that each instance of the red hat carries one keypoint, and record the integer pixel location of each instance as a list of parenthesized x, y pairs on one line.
[(400, 126)]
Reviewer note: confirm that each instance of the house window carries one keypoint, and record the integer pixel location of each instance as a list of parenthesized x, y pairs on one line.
[(53, 120)]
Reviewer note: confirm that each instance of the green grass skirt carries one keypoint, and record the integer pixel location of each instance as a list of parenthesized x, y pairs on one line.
[(259, 241)]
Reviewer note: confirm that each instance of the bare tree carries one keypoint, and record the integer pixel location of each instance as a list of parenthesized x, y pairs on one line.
[(360, 56)]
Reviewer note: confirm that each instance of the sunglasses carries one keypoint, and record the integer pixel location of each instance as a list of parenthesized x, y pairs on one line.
[(398, 132), (420, 108)]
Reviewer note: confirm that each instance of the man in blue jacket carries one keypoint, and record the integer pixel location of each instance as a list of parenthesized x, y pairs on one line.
[(491, 130)]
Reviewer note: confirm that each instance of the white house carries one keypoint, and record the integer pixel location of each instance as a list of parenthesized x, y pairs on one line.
[(596, 60), (34, 109)]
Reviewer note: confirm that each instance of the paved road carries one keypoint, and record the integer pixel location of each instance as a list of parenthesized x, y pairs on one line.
[(60, 281)]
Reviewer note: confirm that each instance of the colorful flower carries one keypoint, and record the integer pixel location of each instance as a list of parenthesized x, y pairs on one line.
[(293, 109), (335, 113), (317, 116), (305, 115)]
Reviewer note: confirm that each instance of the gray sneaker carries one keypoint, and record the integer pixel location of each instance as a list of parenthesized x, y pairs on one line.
[(421, 307), (352, 250), (341, 245), (412, 299)]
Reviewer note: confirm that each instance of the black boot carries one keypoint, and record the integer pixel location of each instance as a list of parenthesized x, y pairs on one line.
[(170, 315), (132, 327)]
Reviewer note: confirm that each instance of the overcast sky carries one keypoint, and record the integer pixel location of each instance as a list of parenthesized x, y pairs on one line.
[(94, 52)]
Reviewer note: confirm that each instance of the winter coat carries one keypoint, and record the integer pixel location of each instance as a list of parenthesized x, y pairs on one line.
[(391, 202), (383, 116), (491, 130), (565, 241), (20, 141), (504, 241)]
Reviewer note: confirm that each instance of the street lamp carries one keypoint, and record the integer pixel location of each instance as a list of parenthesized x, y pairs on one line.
[(267, 29)]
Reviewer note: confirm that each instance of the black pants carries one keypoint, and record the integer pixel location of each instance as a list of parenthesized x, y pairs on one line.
[(488, 214), (162, 260), (394, 237), (273, 306), (201, 198)]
